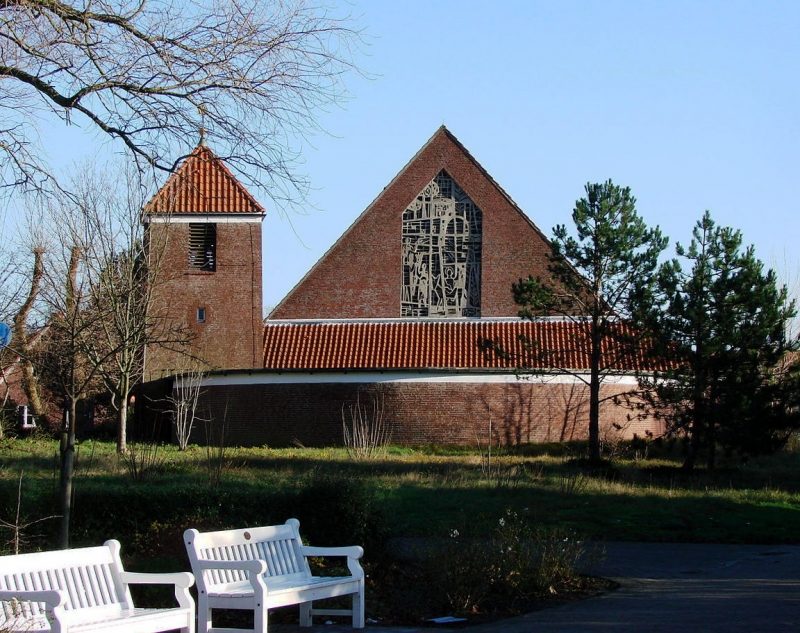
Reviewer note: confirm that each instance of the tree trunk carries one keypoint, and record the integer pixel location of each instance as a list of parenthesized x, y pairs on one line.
[(698, 420), (711, 440), (594, 396), (30, 382), (694, 446), (122, 419), (67, 472)]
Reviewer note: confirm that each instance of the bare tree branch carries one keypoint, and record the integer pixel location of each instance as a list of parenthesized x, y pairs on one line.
[(150, 74)]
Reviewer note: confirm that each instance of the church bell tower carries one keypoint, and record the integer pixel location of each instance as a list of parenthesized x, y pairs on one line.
[(204, 232)]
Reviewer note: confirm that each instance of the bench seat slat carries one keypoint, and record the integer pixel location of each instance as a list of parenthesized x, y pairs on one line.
[(281, 585), (127, 620)]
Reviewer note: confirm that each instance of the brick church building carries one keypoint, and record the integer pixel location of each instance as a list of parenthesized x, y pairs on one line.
[(402, 309)]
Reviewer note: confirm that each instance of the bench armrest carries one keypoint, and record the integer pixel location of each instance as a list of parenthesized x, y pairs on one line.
[(256, 570), (180, 578), (52, 598), (182, 581), (353, 553)]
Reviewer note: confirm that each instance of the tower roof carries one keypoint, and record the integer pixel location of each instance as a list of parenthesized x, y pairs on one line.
[(201, 185)]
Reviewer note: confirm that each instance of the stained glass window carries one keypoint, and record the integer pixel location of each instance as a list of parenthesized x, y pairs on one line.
[(441, 244)]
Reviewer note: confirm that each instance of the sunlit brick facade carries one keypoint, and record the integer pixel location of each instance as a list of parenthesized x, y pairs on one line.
[(404, 309)]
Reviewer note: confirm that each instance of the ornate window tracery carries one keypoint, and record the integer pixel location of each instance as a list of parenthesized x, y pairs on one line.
[(441, 249)]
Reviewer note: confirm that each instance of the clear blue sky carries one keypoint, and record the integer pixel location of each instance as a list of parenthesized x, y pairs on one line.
[(694, 105)]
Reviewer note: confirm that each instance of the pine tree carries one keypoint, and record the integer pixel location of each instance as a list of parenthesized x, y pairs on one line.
[(596, 277), (723, 321)]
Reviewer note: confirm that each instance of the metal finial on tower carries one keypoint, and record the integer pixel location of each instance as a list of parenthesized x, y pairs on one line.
[(202, 110)]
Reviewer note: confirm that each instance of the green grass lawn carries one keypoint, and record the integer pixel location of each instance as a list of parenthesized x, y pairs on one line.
[(547, 500), (426, 492)]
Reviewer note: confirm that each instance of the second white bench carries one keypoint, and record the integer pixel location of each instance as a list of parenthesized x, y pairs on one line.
[(264, 567)]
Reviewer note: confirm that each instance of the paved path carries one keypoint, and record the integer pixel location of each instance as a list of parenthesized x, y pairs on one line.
[(670, 587)]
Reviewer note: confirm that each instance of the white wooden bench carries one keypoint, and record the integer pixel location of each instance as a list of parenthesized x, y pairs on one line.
[(264, 567), (85, 590)]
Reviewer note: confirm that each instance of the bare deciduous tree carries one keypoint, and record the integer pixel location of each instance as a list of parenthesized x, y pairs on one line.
[(22, 345), (64, 368), (185, 396), (122, 267), (153, 74)]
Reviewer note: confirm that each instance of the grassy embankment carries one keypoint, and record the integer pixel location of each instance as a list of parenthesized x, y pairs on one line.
[(420, 492)]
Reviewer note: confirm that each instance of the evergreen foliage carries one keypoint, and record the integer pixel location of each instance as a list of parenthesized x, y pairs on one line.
[(596, 277), (723, 319)]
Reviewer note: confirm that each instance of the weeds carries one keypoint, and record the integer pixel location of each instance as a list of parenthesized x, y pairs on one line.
[(572, 483), (216, 461), (514, 565), (365, 430), (142, 460), (19, 527)]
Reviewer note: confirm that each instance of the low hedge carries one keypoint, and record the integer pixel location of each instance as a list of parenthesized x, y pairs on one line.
[(149, 518)]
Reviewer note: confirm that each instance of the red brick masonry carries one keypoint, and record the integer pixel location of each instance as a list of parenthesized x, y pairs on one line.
[(417, 412), (360, 276)]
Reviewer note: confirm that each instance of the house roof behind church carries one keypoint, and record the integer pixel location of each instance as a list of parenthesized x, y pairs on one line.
[(203, 184), (414, 344)]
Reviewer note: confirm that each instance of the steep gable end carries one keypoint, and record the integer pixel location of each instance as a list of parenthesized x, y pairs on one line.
[(202, 184), (366, 273)]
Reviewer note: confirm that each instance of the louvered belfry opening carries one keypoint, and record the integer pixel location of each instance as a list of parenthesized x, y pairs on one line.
[(203, 246)]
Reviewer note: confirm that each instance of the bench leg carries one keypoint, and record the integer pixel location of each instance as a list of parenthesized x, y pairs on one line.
[(203, 615), (305, 613), (260, 619), (358, 608)]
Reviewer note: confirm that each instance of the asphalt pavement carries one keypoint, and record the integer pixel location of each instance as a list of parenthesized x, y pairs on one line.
[(664, 587)]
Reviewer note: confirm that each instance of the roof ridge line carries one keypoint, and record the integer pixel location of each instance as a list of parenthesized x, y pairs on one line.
[(421, 321), (190, 164)]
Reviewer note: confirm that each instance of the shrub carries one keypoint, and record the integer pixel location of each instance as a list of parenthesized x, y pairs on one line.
[(514, 566), (338, 510), (150, 516), (142, 460), (365, 430)]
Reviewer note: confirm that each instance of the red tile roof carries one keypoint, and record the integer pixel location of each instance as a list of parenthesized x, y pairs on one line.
[(424, 344), (202, 184)]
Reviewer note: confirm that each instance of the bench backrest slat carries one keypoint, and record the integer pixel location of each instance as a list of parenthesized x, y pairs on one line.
[(87, 576)]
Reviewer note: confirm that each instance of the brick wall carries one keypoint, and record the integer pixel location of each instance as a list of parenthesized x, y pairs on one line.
[(231, 335), (360, 277), (419, 413)]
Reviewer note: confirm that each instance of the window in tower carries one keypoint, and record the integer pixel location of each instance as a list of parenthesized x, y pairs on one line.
[(441, 249), (203, 246)]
